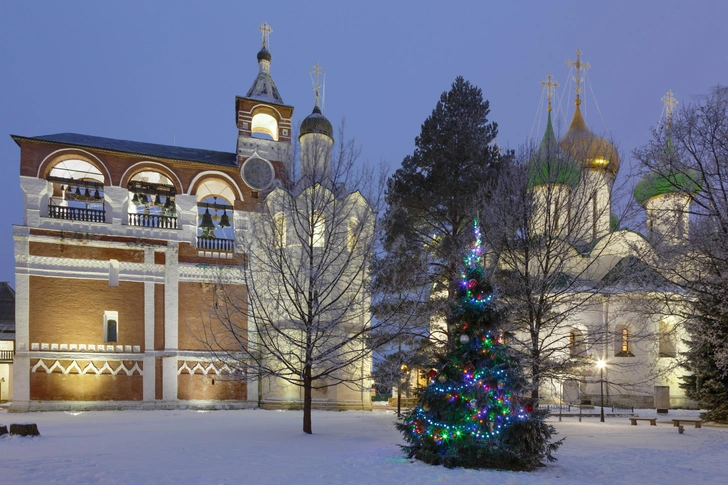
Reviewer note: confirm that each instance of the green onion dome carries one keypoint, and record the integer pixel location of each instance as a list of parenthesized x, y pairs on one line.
[(666, 179), (550, 165)]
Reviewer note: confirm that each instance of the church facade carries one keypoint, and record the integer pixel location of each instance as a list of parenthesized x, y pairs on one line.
[(621, 336), (119, 257)]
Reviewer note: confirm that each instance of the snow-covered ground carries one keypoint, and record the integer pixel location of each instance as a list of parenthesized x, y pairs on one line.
[(267, 447)]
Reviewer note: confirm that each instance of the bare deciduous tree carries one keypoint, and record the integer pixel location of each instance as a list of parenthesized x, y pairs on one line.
[(551, 239), (301, 317), (685, 190)]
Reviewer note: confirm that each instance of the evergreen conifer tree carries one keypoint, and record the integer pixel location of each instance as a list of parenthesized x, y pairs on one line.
[(436, 191), (471, 414)]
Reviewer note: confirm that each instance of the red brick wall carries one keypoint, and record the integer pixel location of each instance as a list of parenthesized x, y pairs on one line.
[(198, 386), (66, 310)]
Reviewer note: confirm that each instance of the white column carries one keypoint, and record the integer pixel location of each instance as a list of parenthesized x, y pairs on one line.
[(35, 198), (21, 364), (187, 217), (149, 367), (116, 202), (169, 378), (171, 321)]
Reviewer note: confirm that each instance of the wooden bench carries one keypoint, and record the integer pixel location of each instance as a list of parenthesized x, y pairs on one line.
[(653, 421), (698, 422)]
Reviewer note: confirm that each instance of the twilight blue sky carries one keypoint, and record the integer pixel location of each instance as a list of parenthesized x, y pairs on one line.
[(157, 71)]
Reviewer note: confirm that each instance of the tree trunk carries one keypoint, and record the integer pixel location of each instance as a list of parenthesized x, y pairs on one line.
[(307, 400), (535, 380)]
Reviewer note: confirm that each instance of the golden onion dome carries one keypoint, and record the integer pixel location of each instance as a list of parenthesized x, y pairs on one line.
[(590, 150)]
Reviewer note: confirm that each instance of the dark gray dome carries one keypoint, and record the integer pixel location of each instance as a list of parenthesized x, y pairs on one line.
[(316, 122), (264, 53)]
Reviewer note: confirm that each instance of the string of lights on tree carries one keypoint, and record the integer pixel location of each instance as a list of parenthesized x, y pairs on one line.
[(469, 400)]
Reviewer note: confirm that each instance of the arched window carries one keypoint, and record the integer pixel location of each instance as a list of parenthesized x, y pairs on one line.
[(215, 218), (680, 222), (264, 126), (279, 230), (111, 326), (152, 201), (353, 232), (666, 340), (623, 342), (78, 192), (577, 346), (318, 225)]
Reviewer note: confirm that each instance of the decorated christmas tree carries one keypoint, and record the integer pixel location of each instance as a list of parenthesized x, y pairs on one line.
[(471, 414)]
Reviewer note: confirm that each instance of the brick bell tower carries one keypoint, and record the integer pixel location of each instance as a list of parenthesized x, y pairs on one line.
[(264, 127)]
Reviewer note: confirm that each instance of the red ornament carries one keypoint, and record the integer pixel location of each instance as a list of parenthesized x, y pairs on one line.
[(432, 374), (529, 408)]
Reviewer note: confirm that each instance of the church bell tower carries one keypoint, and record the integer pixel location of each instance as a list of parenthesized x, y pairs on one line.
[(264, 126)]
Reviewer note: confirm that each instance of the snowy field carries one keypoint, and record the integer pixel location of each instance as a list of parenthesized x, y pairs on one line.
[(267, 447)]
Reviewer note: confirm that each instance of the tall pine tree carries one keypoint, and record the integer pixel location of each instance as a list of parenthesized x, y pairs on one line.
[(436, 192), (471, 415)]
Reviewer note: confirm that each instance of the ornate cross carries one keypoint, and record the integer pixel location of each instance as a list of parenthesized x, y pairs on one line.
[(670, 103), (316, 70), (265, 30), (578, 65), (550, 86)]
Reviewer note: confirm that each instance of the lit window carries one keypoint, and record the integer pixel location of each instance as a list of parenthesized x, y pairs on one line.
[(279, 230), (576, 343), (319, 229), (666, 340), (265, 126), (623, 348), (352, 234)]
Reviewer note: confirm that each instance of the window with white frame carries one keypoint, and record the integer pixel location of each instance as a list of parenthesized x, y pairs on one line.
[(111, 326)]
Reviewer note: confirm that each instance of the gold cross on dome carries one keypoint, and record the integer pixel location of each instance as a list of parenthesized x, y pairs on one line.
[(550, 86), (670, 103), (265, 30), (316, 71), (578, 66)]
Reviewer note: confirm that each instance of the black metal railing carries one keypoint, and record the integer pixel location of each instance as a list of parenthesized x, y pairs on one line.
[(152, 220), (6, 355), (215, 244), (76, 213)]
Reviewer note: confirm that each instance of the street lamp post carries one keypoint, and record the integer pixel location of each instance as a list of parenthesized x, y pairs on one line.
[(601, 364)]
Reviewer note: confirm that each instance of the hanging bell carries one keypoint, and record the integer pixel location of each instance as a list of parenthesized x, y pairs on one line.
[(78, 190), (135, 200), (207, 226), (87, 193), (145, 199), (224, 220), (97, 195), (157, 201)]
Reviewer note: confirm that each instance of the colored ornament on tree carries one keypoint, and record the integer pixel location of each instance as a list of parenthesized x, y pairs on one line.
[(470, 416)]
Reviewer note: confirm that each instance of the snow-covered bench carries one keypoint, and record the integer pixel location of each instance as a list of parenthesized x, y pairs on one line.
[(698, 422), (653, 421)]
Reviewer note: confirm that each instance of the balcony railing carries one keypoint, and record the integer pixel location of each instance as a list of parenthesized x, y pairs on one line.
[(215, 244), (6, 355), (76, 213), (152, 220)]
